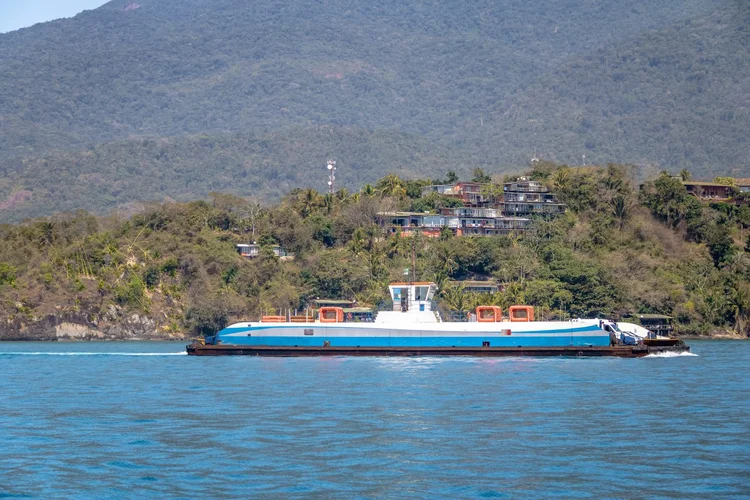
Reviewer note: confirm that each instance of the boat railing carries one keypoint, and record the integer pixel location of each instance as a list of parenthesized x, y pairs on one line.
[(273, 319), (301, 319)]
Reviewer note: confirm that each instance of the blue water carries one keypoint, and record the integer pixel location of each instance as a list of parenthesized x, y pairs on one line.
[(105, 420)]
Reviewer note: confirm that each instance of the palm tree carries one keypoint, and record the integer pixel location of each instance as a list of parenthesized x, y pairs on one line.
[(358, 242), (375, 261), (561, 179), (368, 190), (329, 202), (309, 202), (342, 195), (446, 258), (739, 303), (456, 298), (392, 185), (620, 208), (46, 233), (514, 294), (685, 175), (441, 281), (397, 245)]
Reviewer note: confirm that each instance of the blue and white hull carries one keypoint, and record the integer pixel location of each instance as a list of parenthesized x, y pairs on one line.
[(578, 333)]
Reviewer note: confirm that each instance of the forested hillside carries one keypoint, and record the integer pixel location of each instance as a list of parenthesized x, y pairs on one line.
[(665, 84), (173, 269), (264, 167)]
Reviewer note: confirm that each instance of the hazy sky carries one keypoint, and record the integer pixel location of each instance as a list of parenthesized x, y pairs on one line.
[(16, 14)]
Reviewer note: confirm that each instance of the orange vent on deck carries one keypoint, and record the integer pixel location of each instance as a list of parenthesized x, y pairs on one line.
[(331, 315), (521, 313), (489, 314)]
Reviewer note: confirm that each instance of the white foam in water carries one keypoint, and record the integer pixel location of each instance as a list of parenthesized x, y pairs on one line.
[(670, 355), (93, 353)]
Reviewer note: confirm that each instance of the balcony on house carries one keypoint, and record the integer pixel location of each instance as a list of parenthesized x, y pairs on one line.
[(708, 191), (470, 193), (525, 186), (520, 208)]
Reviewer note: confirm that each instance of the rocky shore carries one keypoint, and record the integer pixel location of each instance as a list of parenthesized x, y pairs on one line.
[(72, 327)]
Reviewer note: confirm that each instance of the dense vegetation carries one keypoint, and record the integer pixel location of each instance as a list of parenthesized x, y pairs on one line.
[(105, 178), (617, 251), (119, 105)]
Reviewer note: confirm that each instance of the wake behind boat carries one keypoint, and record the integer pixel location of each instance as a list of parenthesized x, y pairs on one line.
[(413, 328)]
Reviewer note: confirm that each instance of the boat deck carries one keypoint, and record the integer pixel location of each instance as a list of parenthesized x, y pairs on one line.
[(198, 349)]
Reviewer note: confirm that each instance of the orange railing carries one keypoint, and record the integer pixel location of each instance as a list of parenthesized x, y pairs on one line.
[(273, 319), (301, 319)]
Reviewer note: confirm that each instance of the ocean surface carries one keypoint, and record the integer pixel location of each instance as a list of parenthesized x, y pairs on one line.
[(143, 420)]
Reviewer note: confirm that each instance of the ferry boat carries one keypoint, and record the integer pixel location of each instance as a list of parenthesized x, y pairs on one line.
[(412, 327)]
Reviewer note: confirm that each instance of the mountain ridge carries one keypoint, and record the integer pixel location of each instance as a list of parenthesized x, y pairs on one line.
[(490, 83)]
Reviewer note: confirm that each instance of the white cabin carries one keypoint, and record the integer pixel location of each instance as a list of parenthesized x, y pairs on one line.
[(412, 303)]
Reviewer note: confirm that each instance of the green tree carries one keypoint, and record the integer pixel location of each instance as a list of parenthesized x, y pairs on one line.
[(720, 245), (621, 208), (309, 201), (391, 185), (8, 274), (739, 302), (479, 175), (456, 298)]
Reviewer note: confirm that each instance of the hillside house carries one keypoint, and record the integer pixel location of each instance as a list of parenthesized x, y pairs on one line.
[(482, 214), (474, 286), (708, 191), (525, 197), (743, 185), (252, 250), (431, 225)]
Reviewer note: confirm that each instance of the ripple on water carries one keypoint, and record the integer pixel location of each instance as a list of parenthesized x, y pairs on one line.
[(112, 419)]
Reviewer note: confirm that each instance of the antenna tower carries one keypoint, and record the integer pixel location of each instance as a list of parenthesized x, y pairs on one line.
[(331, 176)]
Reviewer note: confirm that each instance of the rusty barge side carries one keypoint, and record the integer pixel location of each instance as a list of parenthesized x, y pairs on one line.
[(636, 351)]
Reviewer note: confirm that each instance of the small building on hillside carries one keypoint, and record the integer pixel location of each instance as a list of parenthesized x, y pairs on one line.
[(334, 303), (743, 185), (708, 191), (475, 286), (252, 250)]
